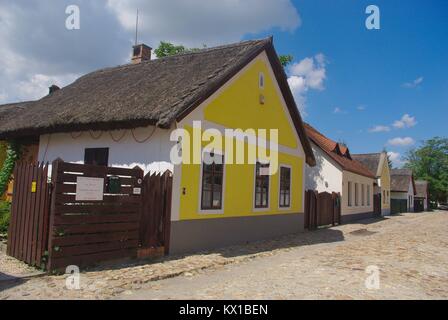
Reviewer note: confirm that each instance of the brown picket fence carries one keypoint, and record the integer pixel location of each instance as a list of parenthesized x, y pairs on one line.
[(28, 229), (322, 209), (53, 227)]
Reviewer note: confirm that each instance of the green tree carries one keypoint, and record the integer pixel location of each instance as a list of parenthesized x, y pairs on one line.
[(166, 49), (285, 60), (430, 162)]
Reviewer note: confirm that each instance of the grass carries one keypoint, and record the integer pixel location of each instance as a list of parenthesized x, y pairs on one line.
[(5, 213)]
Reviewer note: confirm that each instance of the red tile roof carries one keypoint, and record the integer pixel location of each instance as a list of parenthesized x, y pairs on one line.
[(338, 152)]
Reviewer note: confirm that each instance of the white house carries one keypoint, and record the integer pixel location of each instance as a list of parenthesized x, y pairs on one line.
[(336, 171)]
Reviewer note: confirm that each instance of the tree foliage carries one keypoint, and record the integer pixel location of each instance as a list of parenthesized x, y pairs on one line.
[(430, 162), (285, 60), (13, 152)]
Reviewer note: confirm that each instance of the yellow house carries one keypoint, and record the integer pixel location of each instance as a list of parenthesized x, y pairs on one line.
[(379, 165), (142, 113)]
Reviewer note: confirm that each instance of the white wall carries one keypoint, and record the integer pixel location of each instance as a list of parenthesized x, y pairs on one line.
[(152, 155), (326, 176), (360, 180)]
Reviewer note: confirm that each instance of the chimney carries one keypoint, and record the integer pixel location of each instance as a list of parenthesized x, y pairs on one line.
[(53, 89), (141, 52)]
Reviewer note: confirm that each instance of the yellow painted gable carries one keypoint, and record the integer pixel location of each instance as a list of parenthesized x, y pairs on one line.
[(238, 104), (385, 184)]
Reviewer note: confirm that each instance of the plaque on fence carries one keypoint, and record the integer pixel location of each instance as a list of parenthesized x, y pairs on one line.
[(89, 189)]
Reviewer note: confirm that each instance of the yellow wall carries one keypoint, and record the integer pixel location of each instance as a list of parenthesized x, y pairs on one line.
[(385, 184), (238, 106)]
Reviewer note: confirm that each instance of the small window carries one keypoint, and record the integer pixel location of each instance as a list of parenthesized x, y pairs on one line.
[(356, 195), (261, 185), (96, 156), (363, 195), (261, 81), (212, 182), (285, 187), (368, 195), (350, 201)]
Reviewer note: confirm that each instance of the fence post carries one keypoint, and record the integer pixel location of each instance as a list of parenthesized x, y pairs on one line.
[(54, 178)]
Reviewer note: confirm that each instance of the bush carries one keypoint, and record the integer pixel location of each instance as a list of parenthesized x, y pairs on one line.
[(5, 214)]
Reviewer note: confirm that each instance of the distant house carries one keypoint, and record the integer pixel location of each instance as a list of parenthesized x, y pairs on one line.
[(403, 191), (421, 202), (336, 171), (124, 116), (378, 164)]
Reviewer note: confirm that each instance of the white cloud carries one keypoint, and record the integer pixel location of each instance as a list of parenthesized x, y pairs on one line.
[(405, 122), (395, 157), (401, 142), (37, 50), (413, 84), (309, 73), (379, 129), (338, 110), (361, 107), (197, 22)]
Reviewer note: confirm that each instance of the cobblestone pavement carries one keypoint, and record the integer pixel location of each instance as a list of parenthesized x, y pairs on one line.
[(411, 252)]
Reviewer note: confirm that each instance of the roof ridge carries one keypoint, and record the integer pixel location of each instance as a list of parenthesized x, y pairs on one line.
[(183, 54)]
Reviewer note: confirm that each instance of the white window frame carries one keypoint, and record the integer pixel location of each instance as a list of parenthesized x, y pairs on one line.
[(212, 211), (254, 208), (279, 186)]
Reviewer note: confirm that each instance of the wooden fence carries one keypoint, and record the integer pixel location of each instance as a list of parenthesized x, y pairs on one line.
[(87, 214), (322, 209), (28, 229)]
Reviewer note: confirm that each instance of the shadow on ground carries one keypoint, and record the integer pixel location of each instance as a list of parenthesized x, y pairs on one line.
[(320, 236), (8, 282)]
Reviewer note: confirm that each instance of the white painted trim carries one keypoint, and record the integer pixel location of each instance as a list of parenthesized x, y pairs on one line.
[(254, 209), (210, 211), (281, 165)]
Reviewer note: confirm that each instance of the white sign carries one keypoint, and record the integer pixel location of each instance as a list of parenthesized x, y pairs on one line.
[(89, 189), (137, 190)]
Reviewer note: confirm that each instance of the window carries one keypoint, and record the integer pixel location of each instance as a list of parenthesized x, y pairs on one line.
[(368, 195), (285, 187), (96, 156), (350, 201), (212, 181), (384, 196), (261, 81), (262, 185), (356, 195), (363, 195)]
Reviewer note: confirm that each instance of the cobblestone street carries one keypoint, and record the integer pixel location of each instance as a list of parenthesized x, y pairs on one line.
[(411, 252)]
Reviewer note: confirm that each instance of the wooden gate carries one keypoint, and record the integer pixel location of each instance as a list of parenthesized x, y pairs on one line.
[(156, 214), (377, 204), (321, 209), (398, 206), (83, 231), (28, 229)]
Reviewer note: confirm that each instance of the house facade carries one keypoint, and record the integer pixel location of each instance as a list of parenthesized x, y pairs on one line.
[(379, 165), (129, 116), (403, 191), (421, 202), (336, 171)]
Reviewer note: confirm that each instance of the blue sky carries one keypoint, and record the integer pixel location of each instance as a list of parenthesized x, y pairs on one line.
[(368, 69), (347, 80)]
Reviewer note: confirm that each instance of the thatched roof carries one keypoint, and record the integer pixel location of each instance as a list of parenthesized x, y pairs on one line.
[(156, 92), (373, 161), (421, 187), (400, 180), (340, 154)]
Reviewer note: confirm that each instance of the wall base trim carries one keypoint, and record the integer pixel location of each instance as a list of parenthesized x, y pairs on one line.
[(206, 234)]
